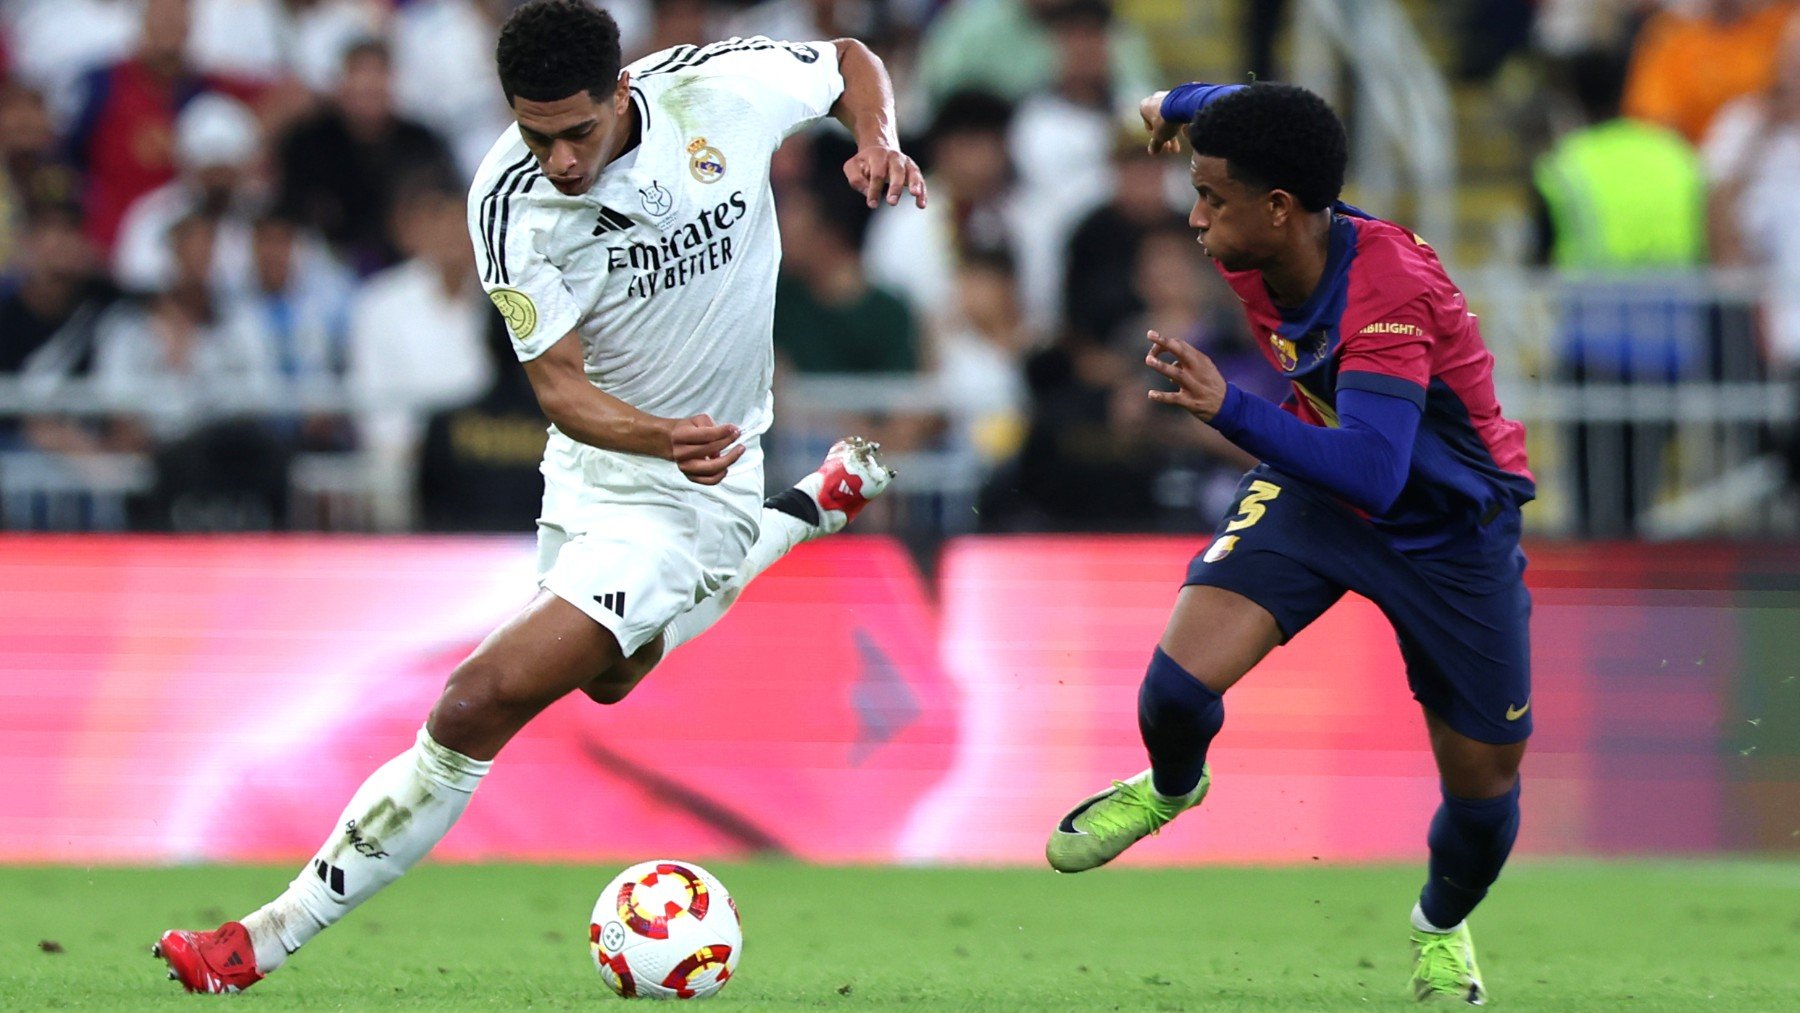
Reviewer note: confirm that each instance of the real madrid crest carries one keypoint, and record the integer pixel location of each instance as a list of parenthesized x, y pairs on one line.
[(706, 162)]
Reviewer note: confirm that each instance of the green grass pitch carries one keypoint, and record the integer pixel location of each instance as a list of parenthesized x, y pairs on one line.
[(1553, 936)]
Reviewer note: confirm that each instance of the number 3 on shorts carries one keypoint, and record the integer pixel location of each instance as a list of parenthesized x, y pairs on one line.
[(1251, 509)]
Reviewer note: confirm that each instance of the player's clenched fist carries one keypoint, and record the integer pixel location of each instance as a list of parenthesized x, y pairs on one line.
[(1164, 136), (1199, 387), (697, 446)]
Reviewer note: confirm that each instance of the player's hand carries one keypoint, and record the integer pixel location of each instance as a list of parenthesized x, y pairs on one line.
[(1199, 387), (1165, 137), (879, 172), (697, 446)]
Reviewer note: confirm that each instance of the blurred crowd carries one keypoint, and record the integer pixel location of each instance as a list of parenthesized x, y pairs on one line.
[(201, 200)]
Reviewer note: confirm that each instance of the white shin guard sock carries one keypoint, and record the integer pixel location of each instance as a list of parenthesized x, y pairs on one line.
[(398, 815), (777, 537)]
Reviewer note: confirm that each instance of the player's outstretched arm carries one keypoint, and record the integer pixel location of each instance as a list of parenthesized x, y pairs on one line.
[(879, 170), (1365, 460), (589, 415)]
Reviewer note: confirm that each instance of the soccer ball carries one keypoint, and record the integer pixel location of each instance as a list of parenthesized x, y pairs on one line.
[(666, 930)]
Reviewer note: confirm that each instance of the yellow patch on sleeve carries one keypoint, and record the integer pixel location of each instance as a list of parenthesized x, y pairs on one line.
[(518, 309)]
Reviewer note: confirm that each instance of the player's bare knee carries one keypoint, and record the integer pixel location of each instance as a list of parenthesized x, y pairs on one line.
[(484, 695)]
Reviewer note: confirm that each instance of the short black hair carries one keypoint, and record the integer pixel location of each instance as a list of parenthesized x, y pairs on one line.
[(551, 49), (971, 111), (1278, 137), (371, 47), (1597, 78), (1090, 14)]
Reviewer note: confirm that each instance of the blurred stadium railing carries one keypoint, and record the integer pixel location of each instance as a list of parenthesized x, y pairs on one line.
[(1650, 408), (1408, 129)]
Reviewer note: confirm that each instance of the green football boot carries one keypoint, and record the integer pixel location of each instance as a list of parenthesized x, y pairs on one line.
[(1096, 831), (1444, 968)]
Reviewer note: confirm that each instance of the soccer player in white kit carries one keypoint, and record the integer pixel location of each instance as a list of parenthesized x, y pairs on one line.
[(626, 230)]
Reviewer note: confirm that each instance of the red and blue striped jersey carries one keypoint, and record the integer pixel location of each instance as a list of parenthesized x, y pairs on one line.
[(1385, 317)]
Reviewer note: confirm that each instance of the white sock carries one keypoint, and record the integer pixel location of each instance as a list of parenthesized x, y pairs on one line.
[(1423, 924), (398, 814), (780, 533)]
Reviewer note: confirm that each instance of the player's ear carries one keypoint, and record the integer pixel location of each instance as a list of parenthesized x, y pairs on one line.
[(1281, 206), (621, 97)]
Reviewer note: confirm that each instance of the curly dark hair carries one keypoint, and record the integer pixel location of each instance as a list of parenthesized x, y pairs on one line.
[(551, 49), (1278, 137)]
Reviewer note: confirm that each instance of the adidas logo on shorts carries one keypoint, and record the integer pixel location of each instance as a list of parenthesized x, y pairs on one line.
[(612, 601)]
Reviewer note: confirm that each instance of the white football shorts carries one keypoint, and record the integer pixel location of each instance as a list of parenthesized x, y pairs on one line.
[(632, 543)]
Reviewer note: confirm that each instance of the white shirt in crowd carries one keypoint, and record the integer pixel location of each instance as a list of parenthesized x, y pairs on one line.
[(176, 384), (444, 75), (415, 348), (1742, 144), (914, 252)]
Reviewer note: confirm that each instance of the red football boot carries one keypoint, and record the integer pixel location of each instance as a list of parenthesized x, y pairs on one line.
[(218, 961), (851, 476)]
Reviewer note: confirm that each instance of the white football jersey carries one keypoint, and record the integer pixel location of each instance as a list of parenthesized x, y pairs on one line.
[(666, 266)]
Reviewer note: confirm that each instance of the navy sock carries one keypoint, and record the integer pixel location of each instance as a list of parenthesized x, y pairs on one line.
[(1469, 839), (1178, 717)]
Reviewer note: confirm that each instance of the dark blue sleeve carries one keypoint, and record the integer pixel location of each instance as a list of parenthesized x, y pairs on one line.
[(1364, 460), (1184, 101)]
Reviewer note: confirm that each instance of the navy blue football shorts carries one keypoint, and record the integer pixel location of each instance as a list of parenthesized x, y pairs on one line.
[(1464, 632)]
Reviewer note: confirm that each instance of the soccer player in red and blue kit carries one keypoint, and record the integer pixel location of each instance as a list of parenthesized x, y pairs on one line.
[(1389, 471)]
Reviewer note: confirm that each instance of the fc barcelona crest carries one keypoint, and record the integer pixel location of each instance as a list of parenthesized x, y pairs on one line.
[(1286, 354)]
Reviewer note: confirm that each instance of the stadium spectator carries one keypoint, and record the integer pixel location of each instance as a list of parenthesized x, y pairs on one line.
[(478, 468), (1184, 298), (216, 148), (977, 355), (678, 23), (342, 169), (976, 204), (828, 317), (30, 171), (1618, 193), (1004, 47), (443, 51), (296, 300), (1087, 463), (1690, 62), (416, 345), (53, 44), (176, 361), (1753, 158), (1567, 27), (1620, 196), (123, 137), (273, 40), (809, 19), (1097, 290), (1060, 137), (192, 387), (122, 140), (48, 315)]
